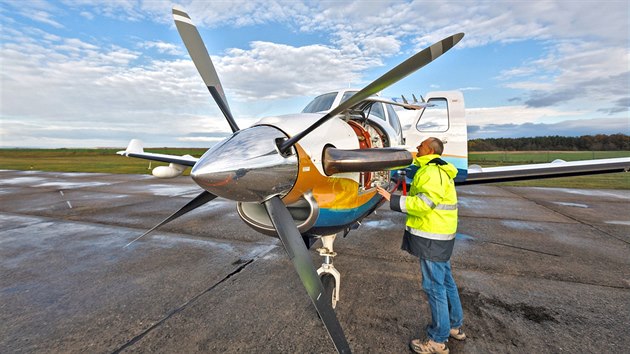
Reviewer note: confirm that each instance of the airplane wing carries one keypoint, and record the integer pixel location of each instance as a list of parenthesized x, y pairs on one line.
[(135, 149), (558, 168)]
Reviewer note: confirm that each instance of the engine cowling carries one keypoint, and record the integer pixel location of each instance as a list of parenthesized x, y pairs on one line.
[(171, 171)]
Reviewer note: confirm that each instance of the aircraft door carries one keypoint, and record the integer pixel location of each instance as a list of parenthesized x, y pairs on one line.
[(444, 119)]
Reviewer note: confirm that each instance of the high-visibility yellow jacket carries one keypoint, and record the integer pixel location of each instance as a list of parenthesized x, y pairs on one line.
[(431, 205)]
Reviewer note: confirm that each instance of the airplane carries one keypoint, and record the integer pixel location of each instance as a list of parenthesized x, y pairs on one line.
[(307, 184)]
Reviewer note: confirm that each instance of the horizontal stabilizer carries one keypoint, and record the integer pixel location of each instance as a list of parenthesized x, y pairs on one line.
[(405, 105)]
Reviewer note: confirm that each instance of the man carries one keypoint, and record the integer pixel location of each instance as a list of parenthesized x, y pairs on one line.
[(431, 209)]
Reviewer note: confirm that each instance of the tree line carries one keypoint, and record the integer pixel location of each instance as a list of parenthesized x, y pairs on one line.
[(600, 142)]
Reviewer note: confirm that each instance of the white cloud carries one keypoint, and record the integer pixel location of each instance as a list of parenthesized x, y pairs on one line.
[(575, 70), (87, 14), (573, 127), (162, 47), (268, 71), (51, 81), (516, 115), (44, 17)]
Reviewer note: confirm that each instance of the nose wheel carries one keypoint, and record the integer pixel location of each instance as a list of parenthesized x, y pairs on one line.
[(328, 274)]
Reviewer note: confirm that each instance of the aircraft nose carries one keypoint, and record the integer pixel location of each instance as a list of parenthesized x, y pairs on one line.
[(247, 166)]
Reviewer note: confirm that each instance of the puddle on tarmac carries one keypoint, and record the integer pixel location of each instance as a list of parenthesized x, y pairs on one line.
[(72, 185), (169, 190), (459, 236), (22, 180), (572, 204), (589, 192), (618, 222), (379, 224)]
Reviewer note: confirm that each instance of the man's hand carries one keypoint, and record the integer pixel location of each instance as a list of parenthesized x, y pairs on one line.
[(383, 192)]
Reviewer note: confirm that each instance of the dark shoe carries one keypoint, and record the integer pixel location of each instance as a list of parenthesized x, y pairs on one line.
[(428, 347), (457, 333)]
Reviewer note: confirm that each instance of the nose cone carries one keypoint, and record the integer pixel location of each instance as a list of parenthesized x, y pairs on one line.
[(247, 166)]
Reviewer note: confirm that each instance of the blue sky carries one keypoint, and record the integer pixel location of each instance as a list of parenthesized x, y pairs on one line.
[(85, 73)]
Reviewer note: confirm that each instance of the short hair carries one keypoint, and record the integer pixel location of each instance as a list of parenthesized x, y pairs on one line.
[(436, 145)]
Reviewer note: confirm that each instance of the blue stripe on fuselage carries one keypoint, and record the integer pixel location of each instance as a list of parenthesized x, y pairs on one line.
[(342, 217)]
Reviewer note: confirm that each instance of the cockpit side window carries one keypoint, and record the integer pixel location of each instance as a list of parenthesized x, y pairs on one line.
[(320, 103), (376, 110), (393, 118)]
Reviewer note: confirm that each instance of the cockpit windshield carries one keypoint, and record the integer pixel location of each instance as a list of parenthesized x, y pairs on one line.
[(347, 95), (320, 103)]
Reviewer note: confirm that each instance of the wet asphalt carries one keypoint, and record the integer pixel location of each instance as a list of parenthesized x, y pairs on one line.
[(539, 270)]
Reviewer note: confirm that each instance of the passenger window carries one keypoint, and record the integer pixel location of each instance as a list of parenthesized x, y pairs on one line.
[(393, 118), (434, 118)]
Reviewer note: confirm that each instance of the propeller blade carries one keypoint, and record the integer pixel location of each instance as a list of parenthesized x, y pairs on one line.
[(298, 253), (199, 55), (199, 200), (407, 67)]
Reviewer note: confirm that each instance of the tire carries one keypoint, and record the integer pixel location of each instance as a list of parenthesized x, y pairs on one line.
[(328, 281)]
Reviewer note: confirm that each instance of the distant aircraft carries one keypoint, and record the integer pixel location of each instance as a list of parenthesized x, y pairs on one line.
[(312, 175)]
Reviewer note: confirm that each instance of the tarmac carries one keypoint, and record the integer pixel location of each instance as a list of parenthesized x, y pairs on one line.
[(539, 270)]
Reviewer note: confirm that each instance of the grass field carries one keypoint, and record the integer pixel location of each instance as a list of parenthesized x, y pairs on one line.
[(106, 161), (83, 160), (498, 158)]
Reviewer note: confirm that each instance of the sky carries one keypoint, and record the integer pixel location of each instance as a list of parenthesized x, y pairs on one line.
[(84, 73)]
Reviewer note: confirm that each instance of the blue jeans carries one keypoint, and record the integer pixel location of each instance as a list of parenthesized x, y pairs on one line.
[(446, 308)]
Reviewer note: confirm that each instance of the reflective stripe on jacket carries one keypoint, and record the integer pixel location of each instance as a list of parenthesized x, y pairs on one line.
[(431, 205)]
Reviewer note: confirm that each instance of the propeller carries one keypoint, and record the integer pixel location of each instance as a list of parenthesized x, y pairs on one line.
[(407, 67), (199, 55), (199, 200), (221, 169), (301, 258)]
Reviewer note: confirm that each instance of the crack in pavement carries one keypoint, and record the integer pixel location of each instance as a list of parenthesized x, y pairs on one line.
[(182, 307)]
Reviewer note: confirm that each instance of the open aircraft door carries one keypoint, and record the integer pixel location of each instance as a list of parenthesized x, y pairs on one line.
[(443, 118)]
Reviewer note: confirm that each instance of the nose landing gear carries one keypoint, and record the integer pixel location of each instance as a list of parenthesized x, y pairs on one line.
[(328, 274)]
